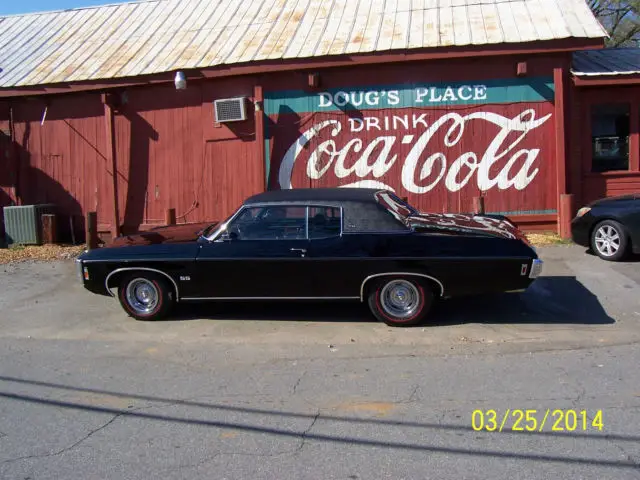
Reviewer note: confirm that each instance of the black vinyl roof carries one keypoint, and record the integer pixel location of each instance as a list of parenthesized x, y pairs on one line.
[(315, 195)]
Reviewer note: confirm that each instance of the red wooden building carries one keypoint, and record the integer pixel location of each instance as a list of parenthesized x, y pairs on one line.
[(131, 109)]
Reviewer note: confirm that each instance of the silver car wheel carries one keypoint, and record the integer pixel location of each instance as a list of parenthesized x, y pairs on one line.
[(400, 298), (142, 295), (607, 240)]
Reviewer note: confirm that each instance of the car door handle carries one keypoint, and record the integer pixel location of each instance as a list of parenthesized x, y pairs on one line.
[(303, 251)]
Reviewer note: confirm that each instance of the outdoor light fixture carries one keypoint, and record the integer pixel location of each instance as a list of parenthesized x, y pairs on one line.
[(180, 81)]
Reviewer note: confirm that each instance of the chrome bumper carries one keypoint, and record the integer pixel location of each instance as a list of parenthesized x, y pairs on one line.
[(79, 272), (536, 268)]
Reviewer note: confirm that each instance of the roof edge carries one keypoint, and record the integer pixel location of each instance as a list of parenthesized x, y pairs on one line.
[(567, 45)]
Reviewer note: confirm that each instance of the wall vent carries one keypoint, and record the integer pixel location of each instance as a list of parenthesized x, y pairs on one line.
[(230, 109)]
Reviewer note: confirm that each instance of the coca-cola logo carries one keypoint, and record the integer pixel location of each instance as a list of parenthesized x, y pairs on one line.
[(427, 164)]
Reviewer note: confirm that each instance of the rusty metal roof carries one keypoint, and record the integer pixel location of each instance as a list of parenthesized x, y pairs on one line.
[(610, 61), (155, 36)]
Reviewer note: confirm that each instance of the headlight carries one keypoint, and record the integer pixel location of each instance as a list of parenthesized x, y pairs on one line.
[(582, 211)]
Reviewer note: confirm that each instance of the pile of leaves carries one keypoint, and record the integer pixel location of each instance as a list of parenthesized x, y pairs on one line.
[(46, 253)]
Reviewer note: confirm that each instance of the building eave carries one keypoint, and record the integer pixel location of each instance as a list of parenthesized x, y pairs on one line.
[(567, 45)]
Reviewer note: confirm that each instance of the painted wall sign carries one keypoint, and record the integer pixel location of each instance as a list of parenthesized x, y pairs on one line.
[(407, 141)]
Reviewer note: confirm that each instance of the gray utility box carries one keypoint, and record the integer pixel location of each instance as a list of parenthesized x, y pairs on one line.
[(23, 224)]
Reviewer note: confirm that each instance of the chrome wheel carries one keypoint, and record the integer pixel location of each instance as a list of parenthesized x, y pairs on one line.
[(400, 298), (607, 241), (142, 296)]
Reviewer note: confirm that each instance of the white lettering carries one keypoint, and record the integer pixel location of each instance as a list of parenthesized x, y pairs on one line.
[(462, 96), (480, 92), (326, 100), (421, 93), (393, 97), (419, 174), (353, 122)]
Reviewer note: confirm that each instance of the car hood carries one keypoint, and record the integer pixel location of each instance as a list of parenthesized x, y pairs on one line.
[(614, 200), (496, 226), (188, 232)]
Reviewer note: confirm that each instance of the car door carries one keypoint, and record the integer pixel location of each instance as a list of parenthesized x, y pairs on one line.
[(263, 255), (337, 262)]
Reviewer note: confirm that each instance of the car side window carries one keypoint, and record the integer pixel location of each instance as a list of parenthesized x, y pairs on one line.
[(324, 222), (273, 222)]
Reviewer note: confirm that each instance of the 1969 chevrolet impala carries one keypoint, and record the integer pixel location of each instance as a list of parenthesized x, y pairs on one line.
[(316, 244)]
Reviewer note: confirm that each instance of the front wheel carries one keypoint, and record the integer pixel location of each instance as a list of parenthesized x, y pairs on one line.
[(400, 301), (609, 240), (145, 296)]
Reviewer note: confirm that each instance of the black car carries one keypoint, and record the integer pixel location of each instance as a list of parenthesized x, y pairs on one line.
[(367, 245), (610, 227)]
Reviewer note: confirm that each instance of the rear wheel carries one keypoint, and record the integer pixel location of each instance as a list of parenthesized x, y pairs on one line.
[(145, 296), (609, 240), (400, 301)]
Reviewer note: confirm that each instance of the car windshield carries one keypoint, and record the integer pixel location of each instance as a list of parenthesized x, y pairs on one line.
[(396, 206)]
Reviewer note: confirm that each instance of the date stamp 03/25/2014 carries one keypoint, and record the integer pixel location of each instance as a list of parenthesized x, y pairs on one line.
[(531, 420)]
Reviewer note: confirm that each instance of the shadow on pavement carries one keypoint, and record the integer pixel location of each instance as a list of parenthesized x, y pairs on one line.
[(550, 300)]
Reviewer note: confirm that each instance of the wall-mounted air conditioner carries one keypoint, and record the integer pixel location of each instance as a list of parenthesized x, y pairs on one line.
[(23, 224), (230, 109)]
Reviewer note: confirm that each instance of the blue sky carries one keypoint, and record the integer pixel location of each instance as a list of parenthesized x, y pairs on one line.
[(12, 7)]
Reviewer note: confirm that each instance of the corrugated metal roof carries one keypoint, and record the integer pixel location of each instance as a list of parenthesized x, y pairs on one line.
[(610, 61), (154, 36)]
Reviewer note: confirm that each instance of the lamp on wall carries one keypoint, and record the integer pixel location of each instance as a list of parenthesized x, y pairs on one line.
[(180, 81)]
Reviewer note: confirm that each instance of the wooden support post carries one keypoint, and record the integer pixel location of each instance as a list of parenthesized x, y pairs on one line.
[(49, 229), (112, 162), (170, 216), (478, 205), (258, 98), (567, 212), (560, 84), (91, 228)]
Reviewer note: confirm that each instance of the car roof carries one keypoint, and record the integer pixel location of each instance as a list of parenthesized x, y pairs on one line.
[(315, 195)]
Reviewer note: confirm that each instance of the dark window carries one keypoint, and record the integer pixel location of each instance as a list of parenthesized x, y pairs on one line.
[(370, 217), (270, 223), (610, 137), (324, 222)]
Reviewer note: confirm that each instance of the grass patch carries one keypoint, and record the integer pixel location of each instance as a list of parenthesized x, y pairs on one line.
[(43, 253), (541, 239)]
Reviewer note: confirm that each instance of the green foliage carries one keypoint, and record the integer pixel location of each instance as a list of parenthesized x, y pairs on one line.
[(621, 18)]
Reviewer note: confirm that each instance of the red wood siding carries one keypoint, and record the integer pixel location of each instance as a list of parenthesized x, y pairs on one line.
[(588, 186), (163, 153)]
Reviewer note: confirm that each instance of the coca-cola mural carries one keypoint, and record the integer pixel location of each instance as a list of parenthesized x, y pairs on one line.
[(439, 145)]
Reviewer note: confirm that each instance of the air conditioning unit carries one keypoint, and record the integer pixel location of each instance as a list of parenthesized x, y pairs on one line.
[(230, 109), (23, 224)]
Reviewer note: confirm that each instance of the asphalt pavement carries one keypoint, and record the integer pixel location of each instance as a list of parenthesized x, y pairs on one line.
[(321, 391)]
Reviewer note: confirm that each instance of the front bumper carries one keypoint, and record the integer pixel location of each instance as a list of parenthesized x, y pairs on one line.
[(580, 231)]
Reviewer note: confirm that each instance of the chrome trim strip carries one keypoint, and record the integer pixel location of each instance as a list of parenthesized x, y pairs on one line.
[(106, 281), (399, 273), (129, 260), (185, 299)]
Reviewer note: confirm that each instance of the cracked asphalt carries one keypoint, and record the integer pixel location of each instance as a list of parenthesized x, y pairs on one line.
[(315, 391)]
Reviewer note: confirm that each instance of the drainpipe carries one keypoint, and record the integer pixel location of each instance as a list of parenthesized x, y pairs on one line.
[(14, 156)]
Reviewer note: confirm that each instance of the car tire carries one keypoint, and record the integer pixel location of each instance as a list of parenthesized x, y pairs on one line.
[(400, 301), (610, 240), (145, 296)]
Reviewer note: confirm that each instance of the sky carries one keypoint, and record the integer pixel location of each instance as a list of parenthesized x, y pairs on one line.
[(12, 7)]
